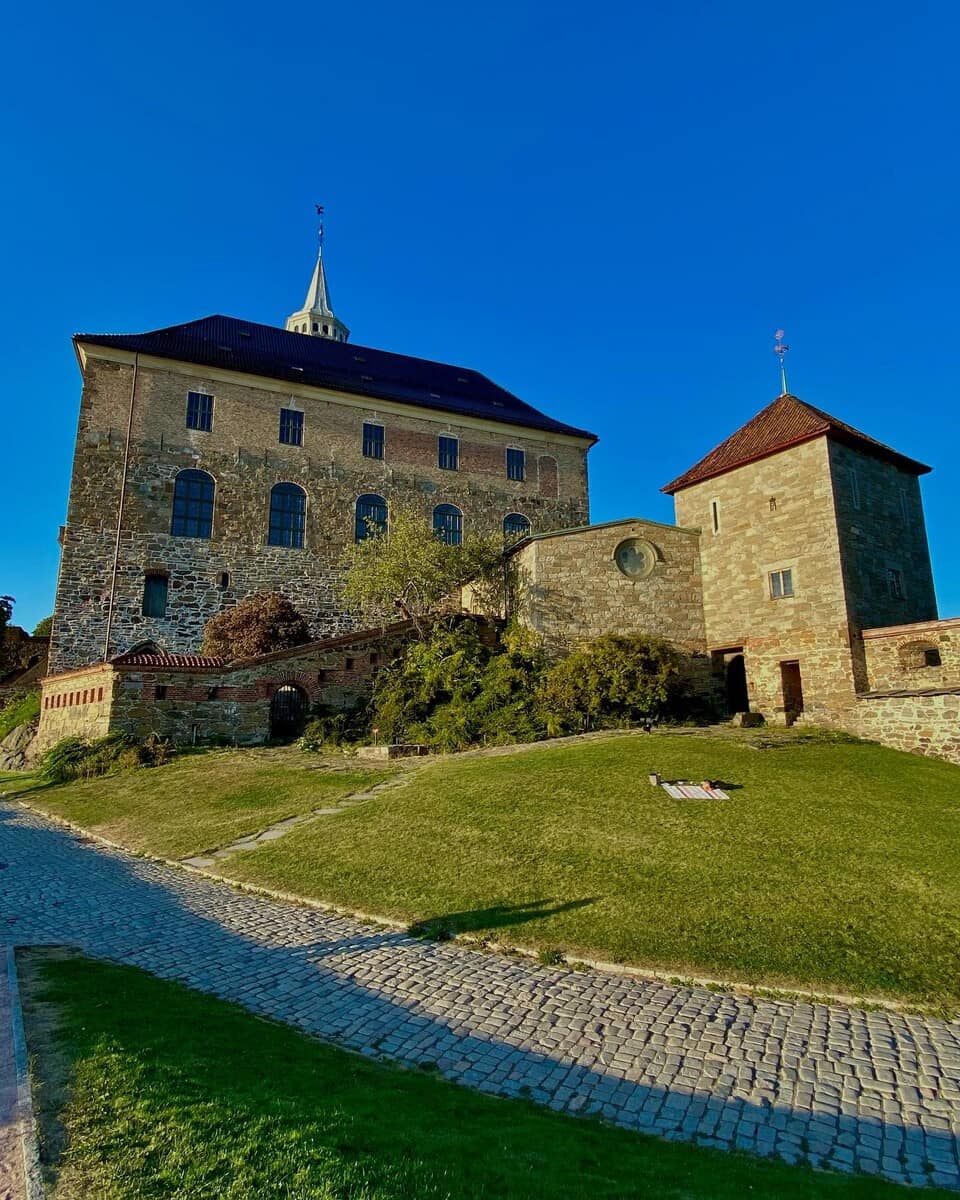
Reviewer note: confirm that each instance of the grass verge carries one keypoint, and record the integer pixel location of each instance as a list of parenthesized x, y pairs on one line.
[(833, 867), (148, 1090), (199, 801)]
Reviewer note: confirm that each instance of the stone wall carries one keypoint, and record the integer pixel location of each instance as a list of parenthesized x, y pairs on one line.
[(76, 704), (231, 703), (243, 454), (879, 515), (769, 516), (921, 722), (897, 656), (571, 589)]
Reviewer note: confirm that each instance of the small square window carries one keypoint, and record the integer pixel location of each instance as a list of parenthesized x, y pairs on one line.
[(199, 411), (895, 583), (291, 427), (372, 440), (160, 691), (781, 584), (448, 453), (516, 464), (348, 664), (931, 657)]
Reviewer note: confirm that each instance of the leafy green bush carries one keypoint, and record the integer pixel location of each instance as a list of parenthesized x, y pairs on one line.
[(619, 679), (19, 711), (332, 727), (75, 758)]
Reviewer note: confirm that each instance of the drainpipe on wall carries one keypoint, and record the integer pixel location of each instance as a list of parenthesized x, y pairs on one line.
[(123, 489)]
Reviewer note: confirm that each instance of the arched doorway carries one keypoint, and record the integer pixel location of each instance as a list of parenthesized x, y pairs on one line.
[(288, 711), (737, 699)]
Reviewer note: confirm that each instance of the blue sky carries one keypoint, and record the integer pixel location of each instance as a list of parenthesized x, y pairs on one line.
[(608, 209)]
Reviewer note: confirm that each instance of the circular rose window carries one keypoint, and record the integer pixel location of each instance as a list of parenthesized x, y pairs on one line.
[(635, 558)]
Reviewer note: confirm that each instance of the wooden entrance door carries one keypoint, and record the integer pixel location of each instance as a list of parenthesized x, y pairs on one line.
[(792, 690)]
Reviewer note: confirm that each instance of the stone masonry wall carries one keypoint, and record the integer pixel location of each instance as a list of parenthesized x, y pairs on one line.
[(571, 589), (233, 704), (895, 656), (880, 519), (772, 515), (243, 454), (77, 704), (923, 723)]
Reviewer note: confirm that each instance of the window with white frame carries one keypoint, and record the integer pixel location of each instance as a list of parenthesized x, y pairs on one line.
[(781, 584)]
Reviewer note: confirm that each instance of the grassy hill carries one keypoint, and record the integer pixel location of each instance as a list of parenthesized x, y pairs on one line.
[(834, 865)]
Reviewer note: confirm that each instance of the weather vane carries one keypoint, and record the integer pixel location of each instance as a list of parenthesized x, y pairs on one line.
[(319, 208), (780, 351)]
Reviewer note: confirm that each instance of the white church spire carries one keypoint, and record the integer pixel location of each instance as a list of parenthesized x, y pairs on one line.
[(317, 318)]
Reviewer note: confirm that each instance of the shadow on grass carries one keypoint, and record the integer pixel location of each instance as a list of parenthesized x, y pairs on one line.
[(497, 916)]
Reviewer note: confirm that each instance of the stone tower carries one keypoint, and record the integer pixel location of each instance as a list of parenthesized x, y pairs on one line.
[(811, 532), (316, 318)]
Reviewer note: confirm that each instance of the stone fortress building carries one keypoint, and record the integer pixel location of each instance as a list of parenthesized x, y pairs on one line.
[(220, 458)]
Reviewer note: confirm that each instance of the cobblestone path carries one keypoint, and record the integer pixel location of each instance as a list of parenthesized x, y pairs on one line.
[(852, 1090)]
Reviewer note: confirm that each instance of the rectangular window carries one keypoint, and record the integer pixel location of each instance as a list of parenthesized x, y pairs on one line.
[(155, 596), (715, 515), (904, 506), (854, 488), (448, 453), (199, 411), (291, 427), (895, 583), (160, 691), (516, 464), (372, 440), (781, 584)]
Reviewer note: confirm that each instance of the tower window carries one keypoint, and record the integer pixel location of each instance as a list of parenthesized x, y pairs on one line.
[(291, 427), (854, 488), (448, 524), (155, 595), (773, 504), (372, 440), (781, 584), (199, 411), (371, 517), (223, 581), (448, 453), (515, 525), (895, 583), (193, 494), (316, 327), (288, 515), (715, 515), (516, 464)]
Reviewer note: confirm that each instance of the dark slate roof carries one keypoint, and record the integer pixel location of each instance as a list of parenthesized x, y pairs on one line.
[(786, 422), (236, 345)]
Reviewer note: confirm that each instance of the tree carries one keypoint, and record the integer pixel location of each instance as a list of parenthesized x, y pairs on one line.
[(44, 627), (263, 622), (407, 569), (6, 612)]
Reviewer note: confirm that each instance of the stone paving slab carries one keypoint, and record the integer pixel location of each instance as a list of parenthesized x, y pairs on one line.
[(876, 1092)]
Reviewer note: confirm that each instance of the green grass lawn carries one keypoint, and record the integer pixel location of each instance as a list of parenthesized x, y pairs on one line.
[(148, 1090), (199, 801), (833, 866)]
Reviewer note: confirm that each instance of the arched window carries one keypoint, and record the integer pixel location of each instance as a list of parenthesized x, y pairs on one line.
[(193, 504), (515, 525), (288, 513), (371, 517), (448, 524)]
